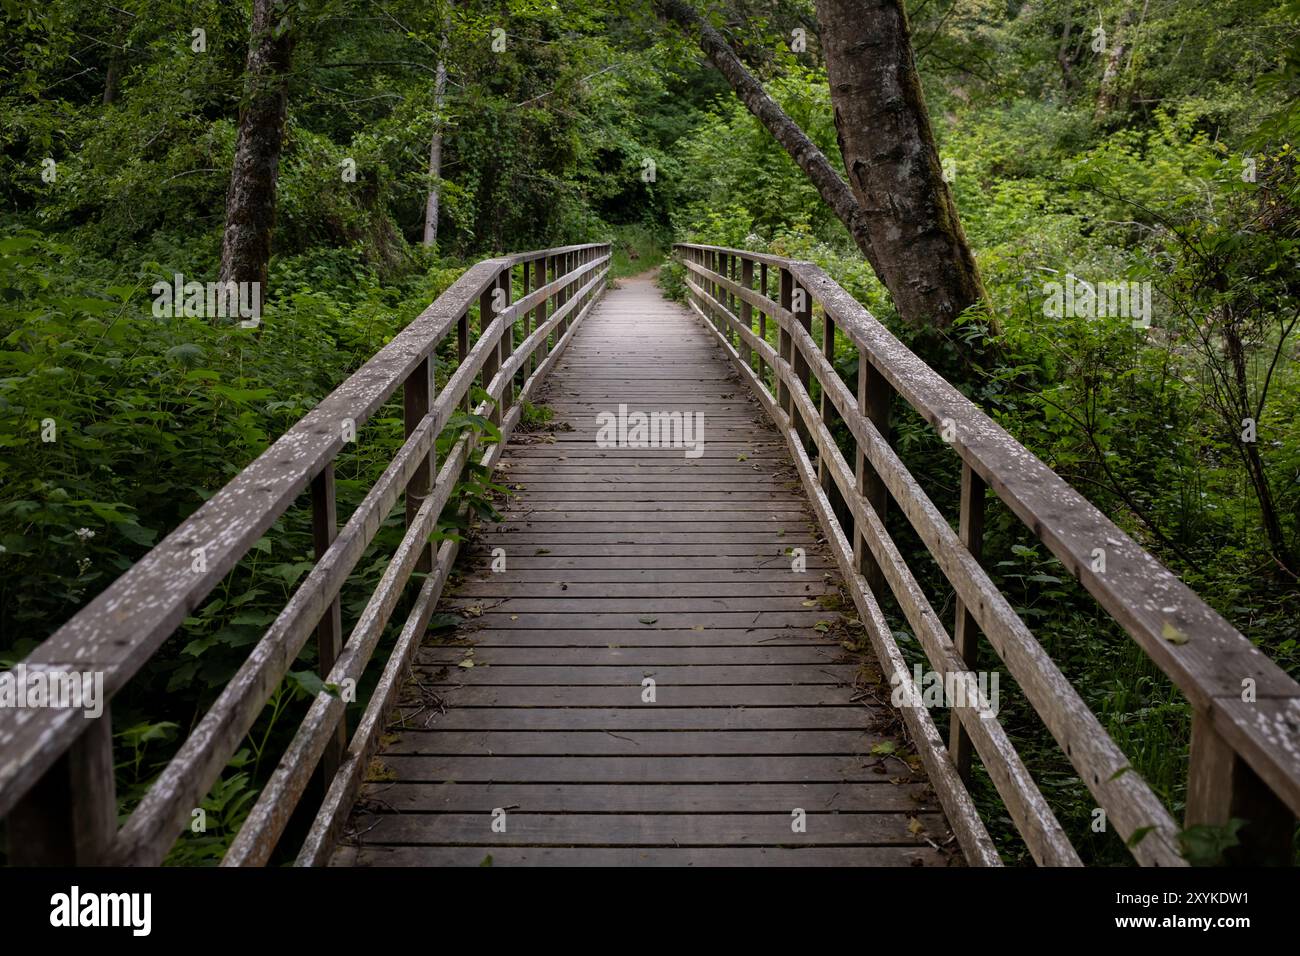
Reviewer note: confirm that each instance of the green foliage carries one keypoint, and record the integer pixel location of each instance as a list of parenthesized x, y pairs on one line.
[(1206, 845), (637, 249)]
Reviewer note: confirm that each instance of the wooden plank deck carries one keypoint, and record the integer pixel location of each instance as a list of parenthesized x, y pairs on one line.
[(630, 563)]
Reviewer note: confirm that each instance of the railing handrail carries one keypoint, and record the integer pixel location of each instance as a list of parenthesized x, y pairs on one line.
[(1204, 656), (124, 626)]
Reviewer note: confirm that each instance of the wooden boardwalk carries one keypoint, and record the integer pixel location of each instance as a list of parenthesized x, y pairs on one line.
[(641, 672), (528, 736)]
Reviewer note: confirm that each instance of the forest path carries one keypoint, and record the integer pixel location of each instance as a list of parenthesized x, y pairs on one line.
[(533, 739)]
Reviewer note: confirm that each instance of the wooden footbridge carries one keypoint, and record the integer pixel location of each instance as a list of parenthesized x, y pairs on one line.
[(672, 648)]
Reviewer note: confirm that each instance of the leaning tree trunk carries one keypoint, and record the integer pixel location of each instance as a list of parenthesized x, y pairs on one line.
[(250, 200), (834, 191), (892, 161), (435, 156)]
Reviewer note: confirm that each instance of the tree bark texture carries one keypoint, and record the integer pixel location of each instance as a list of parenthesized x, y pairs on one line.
[(250, 200), (893, 166)]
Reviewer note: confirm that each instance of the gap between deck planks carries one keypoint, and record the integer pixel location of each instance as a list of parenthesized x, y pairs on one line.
[(623, 564)]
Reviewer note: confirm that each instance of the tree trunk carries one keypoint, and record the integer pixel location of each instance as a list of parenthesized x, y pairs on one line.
[(1238, 408), (1108, 89), (834, 191), (435, 156), (111, 80), (1063, 58), (893, 163), (250, 200)]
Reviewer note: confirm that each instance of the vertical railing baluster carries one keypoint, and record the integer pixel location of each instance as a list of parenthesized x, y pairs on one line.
[(539, 313), (558, 298), (721, 294), (874, 396), (747, 311), (507, 347), (572, 293), (711, 262), (728, 302), (69, 817), (329, 632), (1222, 787), (827, 408), (765, 370), (718, 265), (527, 283), (738, 277), (548, 303), (802, 308), (487, 313), (965, 635), (462, 349), (709, 286), (785, 344), (568, 289)]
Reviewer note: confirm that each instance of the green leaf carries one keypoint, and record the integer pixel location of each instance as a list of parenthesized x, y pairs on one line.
[(1207, 844), (1138, 836), (307, 681), (136, 534)]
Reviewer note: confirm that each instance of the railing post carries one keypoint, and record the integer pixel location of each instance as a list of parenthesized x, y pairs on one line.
[(714, 264), (803, 309), (570, 265), (706, 284), (492, 360), (539, 314), (718, 265), (566, 264), (728, 266), (507, 346), (528, 284), (559, 297), (785, 344), (690, 255), (711, 288), (69, 817), (733, 302), (827, 409), (1221, 787), (762, 320), (548, 305), (874, 394), (747, 311), (719, 293), (965, 635), (462, 350), (324, 529)]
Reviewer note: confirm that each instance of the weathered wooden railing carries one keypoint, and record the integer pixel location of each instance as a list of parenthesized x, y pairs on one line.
[(1245, 750), (56, 766)]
